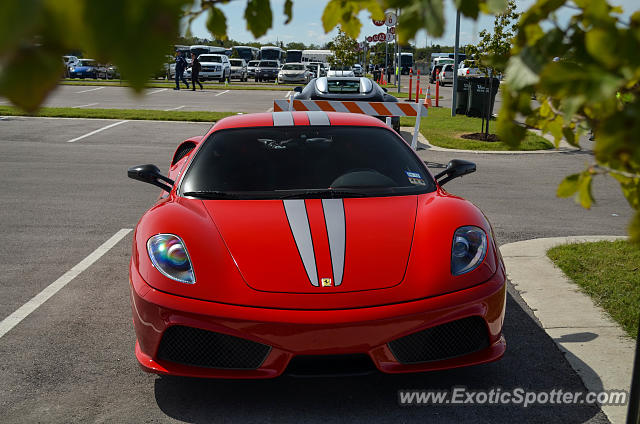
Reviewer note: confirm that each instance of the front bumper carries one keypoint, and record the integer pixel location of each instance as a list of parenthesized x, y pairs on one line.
[(297, 333), (210, 74), (296, 79)]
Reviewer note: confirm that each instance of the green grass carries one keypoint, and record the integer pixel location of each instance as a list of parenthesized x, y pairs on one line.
[(130, 114), (441, 129), (609, 272)]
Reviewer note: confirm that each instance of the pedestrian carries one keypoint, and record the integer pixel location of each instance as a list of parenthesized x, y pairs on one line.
[(195, 72), (181, 65)]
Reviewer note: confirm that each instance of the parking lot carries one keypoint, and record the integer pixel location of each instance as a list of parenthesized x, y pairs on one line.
[(72, 358)]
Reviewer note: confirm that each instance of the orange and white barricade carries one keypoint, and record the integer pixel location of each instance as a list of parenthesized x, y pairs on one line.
[(418, 110)]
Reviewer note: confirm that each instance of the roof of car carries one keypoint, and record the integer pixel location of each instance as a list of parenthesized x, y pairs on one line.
[(271, 119)]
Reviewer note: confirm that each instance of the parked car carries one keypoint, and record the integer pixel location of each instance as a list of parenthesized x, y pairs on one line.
[(252, 66), (294, 73), (466, 69), (340, 71), (446, 75), (313, 67), (238, 69), (107, 72), (69, 61), (349, 89), (315, 241), (84, 68), (357, 70), (267, 70), (214, 66)]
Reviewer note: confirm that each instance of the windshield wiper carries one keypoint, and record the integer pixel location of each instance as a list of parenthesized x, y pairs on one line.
[(211, 194), (322, 194)]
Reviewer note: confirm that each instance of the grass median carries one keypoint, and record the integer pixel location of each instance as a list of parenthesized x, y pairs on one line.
[(609, 272), (128, 114), (443, 130)]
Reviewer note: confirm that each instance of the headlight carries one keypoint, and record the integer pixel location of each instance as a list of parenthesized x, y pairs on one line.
[(169, 255), (468, 249)]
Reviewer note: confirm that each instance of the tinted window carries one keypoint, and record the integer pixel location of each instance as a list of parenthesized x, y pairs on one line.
[(236, 62), (209, 58), (293, 67), (253, 63), (276, 162), (269, 64), (343, 86)]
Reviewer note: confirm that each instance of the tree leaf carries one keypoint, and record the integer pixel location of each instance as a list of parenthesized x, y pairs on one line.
[(519, 74), (569, 186), (288, 10), (217, 23), (258, 16), (29, 75), (14, 28), (584, 195)]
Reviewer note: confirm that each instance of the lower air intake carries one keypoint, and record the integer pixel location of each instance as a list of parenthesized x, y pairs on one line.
[(201, 348), (455, 338)]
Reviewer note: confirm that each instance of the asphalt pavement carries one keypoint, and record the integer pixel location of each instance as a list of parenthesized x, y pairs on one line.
[(72, 359)]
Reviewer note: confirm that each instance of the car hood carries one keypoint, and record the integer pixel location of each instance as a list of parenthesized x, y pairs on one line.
[(305, 246), (83, 68), (292, 71)]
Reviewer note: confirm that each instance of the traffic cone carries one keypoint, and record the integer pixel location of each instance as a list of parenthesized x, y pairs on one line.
[(427, 100)]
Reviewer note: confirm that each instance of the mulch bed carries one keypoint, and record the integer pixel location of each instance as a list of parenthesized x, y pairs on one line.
[(480, 137)]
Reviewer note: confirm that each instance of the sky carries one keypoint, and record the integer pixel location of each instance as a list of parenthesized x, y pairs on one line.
[(306, 25)]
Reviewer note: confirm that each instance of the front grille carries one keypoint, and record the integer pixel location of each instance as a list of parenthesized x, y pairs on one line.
[(330, 365), (444, 341), (201, 348)]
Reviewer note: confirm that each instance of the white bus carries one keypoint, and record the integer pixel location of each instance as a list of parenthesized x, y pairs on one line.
[(273, 53), (201, 49), (247, 53), (316, 56)]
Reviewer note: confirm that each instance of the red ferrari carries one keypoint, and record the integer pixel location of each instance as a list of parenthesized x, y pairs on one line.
[(309, 242)]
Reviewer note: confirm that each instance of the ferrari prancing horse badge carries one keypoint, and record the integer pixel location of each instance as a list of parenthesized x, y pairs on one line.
[(326, 282)]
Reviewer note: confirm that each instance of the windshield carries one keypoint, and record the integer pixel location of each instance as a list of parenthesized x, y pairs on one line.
[(87, 62), (235, 62), (293, 67), (268, 64), (253, 63), (406, 60), (277, 162), (272, 54), (209, 58), (343, 86)]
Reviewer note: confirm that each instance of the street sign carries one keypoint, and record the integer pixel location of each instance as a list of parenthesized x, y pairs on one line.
[(382, 37), (369, 39), (390, 19), (390, 37), (378, 23), (376, 37), (391, 30)]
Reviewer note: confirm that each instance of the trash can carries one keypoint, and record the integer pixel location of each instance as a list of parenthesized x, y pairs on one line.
[(462, 98), (479, 96)]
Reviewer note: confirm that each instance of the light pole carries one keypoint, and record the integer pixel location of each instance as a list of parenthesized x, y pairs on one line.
[(454, 98)]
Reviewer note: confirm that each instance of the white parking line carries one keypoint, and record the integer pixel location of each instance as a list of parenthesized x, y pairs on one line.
[(87, 105), (91, 89), (96, 131), (221, 93), (25, 310), (174, 108), (157, 91)]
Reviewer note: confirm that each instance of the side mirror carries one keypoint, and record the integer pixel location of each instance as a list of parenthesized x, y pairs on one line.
[(298, 89), (150, 174), (455, 168)]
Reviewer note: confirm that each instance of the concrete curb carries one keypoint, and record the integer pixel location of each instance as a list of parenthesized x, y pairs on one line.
[(424, 144), (596, 347)]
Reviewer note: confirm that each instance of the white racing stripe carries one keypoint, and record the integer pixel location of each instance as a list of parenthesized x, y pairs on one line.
[(174, 108), (96, 131), (87, 105), (157, 91), (221, 93), (91, 89), (25, 310)]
